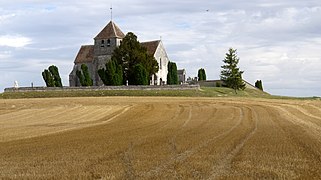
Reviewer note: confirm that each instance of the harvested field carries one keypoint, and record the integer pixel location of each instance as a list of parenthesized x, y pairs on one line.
[(160, 138)]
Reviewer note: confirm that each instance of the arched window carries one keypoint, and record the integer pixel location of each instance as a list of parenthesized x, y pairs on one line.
[(102, 43), (108, 42), (160, 63)]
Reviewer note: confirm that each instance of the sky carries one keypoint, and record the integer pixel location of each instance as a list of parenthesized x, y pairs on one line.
[(278, 42)]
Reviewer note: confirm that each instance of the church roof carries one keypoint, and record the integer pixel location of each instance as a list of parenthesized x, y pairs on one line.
[(181, 71), (85, 54), (110, 31), (151, 46)]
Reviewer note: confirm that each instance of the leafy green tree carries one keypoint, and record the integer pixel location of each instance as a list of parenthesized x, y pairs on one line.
[(259, 85), (112, 75), (84, 76), (51, 77), (201, 75), (172, 77), (230, 73), (140, 76), (130, 53)]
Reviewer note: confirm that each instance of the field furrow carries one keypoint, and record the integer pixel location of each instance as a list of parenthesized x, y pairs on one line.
[(160, 138)]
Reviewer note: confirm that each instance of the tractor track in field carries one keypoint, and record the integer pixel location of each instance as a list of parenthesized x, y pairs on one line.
[(223, 165), (160, 138), (186, 154)]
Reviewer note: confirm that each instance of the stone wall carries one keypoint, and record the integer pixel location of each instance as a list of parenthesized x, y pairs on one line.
[(97, 88)]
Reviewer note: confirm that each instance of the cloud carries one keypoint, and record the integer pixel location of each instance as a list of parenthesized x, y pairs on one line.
[(14, 41), (277, 42)]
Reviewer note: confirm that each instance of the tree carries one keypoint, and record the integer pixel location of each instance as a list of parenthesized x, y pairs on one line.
[(130, 53), (51, 77), (230, 73), (84, 76), (48, 78), (201, 75), (140, 77), (55, 74), (259, 85), (112, 75), (172, 77)]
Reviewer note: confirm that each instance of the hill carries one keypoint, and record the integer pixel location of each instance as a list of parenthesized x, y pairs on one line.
[(202, 92)]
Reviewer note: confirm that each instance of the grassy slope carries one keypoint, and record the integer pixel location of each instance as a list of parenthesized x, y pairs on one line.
[(204, 92)]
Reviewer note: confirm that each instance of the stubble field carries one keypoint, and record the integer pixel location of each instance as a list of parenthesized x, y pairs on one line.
[(160, 138)]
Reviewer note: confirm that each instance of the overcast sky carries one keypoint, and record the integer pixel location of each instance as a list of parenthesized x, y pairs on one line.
[(278, 42)]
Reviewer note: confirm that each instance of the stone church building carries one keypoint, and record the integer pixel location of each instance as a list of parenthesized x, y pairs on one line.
[(96, 56)]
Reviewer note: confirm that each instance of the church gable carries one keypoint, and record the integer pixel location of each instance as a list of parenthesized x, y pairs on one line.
[(85, 54)]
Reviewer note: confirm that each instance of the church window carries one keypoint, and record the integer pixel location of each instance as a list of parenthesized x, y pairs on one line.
[(160, 63), (108, 42), (102, 43)]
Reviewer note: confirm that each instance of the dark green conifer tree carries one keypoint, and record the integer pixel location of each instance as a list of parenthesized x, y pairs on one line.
[(259, 85), (112, 74), (84, 76), (230, 73), (130, 53), (172, 77), (51, 77)]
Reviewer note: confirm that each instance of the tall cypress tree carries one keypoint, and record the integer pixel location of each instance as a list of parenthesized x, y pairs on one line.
[(172, 77), (201, 74), (51, 77), (204, 74), (55, 74), (230, 73), (112, 74), (259, 85), (84, 76), (48, 78)]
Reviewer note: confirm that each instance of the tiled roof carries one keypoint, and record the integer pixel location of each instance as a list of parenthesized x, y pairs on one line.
[(110, 31), (181, 71), (151, 46), (85, 54)]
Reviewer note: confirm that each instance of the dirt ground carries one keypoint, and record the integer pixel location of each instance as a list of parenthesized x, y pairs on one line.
[(160, 138)]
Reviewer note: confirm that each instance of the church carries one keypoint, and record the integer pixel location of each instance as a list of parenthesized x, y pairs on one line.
[(97, 55)]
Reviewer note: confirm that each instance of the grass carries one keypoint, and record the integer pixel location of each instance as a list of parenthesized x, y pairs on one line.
[(204, 92)]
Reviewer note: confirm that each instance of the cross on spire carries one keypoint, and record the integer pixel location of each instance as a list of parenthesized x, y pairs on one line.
[(111, 12)]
